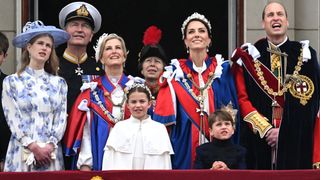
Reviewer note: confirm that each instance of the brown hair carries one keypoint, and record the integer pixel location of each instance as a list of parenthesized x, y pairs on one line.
[(4, 43), (52, 64), (220, 115), (203, 22), (140, 88)]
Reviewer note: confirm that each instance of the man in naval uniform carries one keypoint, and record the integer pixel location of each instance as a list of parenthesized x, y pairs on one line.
[(81, 20)]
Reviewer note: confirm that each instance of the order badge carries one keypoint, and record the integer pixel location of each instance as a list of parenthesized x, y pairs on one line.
[(302, 89)]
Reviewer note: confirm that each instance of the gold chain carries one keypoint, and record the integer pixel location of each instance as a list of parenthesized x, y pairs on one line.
[(104, 109), (286, 86), (119, 104), (206, 86), (200, 99)]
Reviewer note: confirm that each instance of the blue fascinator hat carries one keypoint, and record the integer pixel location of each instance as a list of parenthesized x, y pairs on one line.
[(32, 29)]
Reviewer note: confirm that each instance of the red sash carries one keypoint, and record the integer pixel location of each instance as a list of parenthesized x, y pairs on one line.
[(190, 105), (272, 81)]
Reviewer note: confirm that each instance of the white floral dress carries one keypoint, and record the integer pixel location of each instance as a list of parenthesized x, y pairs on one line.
[(34, 105)]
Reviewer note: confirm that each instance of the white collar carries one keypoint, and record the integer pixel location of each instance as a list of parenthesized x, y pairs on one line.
[(280, 43), (199, 69), (136, 120)]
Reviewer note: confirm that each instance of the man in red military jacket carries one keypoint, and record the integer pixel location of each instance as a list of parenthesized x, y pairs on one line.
[(278, 90)]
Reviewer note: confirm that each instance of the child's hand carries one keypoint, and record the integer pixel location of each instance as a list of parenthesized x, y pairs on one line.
[(219, 165)]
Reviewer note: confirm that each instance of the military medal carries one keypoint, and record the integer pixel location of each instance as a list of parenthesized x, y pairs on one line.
[(79, 71)]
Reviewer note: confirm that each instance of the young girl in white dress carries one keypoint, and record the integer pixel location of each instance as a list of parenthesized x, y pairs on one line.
[(138, 142)]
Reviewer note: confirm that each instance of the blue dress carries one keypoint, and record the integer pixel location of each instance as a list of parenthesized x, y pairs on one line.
[(178, 104), (35, 110)]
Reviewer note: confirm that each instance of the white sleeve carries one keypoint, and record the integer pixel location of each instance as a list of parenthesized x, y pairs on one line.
[(16, 121), (85, 155), (108, 158), (60, 115)]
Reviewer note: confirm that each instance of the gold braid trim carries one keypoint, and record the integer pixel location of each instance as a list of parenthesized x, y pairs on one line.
[(316, 165), (258, 122)]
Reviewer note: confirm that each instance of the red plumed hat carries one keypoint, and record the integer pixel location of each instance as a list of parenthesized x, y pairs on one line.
[(152, 36), (151, 39)]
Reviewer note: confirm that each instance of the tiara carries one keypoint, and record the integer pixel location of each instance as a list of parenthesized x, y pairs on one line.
[(97, 47), (136, 82), (137, 85), (192, 17)]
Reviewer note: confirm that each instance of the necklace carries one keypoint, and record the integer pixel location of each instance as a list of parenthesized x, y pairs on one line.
[(287, 84), (104, 109), (75, 60), (201, 89), (107, 94)]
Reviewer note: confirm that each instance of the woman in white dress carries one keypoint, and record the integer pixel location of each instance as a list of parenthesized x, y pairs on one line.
[(139, 142), (34, 102)]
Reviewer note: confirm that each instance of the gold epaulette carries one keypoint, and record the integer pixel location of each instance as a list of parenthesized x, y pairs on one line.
[(316, 165), (258, 122)]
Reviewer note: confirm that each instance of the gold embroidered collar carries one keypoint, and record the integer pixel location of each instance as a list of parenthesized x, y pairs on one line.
[(74, 59)]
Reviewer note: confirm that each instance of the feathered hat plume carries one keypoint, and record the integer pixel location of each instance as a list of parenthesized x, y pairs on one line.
[(152, 36), (152, 48)]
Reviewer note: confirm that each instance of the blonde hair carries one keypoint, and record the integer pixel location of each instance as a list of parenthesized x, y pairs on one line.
[(105, 38)]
